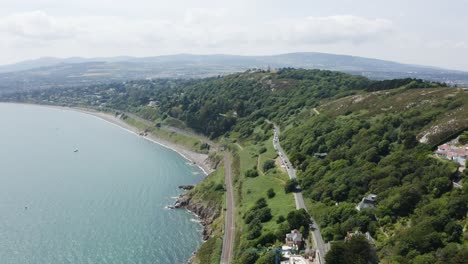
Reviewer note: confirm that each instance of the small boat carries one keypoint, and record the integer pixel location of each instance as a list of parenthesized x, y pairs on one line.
[(76, 150)]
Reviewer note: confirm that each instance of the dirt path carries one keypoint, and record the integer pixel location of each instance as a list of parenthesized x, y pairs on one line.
[(240, 147)]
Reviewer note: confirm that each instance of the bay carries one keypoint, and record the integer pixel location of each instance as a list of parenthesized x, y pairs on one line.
[(104, 203)]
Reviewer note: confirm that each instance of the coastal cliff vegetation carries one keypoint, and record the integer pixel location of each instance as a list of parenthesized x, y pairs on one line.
[(347, 136)]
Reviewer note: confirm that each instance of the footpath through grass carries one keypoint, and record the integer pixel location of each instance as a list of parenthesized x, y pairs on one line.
[(251, 189)]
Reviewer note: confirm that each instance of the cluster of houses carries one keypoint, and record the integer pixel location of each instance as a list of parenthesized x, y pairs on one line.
[(450, 151)]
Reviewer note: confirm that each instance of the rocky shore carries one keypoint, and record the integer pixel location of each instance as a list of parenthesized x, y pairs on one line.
[(206, 214)]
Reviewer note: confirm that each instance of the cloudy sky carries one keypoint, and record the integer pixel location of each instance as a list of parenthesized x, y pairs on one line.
[(429, 32)]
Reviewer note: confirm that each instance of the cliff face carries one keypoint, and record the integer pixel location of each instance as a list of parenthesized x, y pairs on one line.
[(206, 213)]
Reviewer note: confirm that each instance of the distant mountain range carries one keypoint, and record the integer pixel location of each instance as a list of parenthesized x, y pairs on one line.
[(56, 72)]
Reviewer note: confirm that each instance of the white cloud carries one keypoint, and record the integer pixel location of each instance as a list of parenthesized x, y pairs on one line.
[(331, 29), (36, 25), (199, 31)]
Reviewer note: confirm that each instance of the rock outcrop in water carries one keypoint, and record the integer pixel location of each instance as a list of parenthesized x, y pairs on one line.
[(207, 214), (186, 187)]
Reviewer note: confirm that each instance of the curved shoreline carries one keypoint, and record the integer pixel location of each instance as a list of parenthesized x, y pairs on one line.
[(195, 158)]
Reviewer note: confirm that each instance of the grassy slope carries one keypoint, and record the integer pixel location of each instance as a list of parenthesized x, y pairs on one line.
[(371, 105), (250, 189), (452, 121), (253, 189), (171, 136), (206, 193)]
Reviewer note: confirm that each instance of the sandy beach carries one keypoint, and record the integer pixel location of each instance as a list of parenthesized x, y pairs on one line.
[(197, 159)]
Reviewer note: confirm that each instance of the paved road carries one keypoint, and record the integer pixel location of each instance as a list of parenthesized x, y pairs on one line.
[(319, 244), (229, 225)]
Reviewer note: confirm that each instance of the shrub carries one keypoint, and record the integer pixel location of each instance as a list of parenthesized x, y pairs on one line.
[(252, 173), (249, 258), (268, 164), (280, 219), (271, 193), (249, 216), (264, 214), (219, 187), (268, 238), (255, 230), (260, 203)]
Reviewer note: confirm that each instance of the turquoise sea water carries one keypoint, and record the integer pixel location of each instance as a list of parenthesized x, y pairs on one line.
[(102, 204)]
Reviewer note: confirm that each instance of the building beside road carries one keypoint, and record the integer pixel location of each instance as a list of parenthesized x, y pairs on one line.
[(453, 152), (294, 239)]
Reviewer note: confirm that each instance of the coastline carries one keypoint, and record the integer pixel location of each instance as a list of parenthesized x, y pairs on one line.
[(206, 215), (198, 159)]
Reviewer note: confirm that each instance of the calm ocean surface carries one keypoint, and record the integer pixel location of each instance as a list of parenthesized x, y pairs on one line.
[(102, 204)]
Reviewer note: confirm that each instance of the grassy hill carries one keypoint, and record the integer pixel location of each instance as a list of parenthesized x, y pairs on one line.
[(371, 139), (446, 108)]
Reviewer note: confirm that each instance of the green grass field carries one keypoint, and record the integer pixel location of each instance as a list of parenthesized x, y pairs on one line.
[(253, 189)]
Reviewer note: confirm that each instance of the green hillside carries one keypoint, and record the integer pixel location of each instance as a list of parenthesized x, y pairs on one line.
[(372, 147), (378, 137)]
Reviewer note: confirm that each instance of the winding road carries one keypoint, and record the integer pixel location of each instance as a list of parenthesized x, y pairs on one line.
[(229, 225), (319, 244)]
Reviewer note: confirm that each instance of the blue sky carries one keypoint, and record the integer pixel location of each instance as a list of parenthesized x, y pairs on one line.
[(418, 32)]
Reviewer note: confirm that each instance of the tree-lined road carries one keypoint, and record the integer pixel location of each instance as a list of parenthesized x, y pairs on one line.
[(319, 244)]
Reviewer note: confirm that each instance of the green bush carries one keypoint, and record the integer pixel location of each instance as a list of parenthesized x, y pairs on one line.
[(280, 219), (271, 193), (219, 187), (252, 173), (264, 214), (255, 230), (268, 164)]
